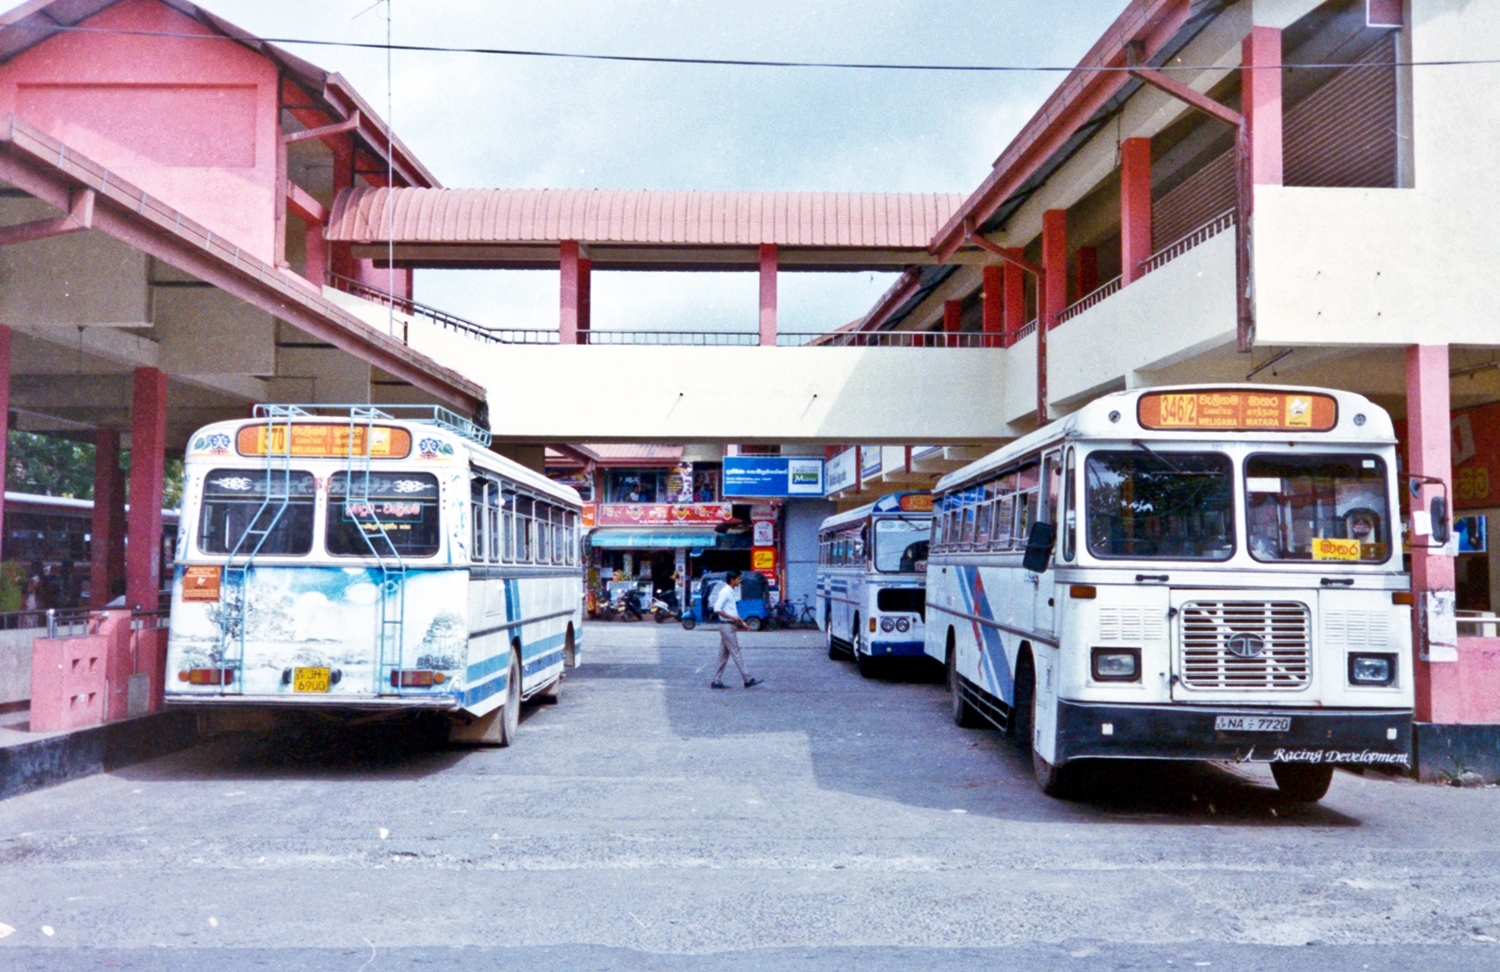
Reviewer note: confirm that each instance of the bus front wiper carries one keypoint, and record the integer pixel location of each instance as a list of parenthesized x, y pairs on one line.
[(1155, 455)]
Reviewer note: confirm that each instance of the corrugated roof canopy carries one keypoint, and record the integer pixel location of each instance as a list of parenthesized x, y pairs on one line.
[(643, 229)]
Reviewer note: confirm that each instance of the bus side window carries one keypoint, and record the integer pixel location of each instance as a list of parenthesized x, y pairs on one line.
[(1052, 488), (477, 486), (523, 529), (508, 525), (1070, 514), (986, 510), (492, 522), (543, 533)]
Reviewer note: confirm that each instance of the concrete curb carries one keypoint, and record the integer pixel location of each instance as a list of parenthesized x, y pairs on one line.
[(58, 759), (1445, 750)]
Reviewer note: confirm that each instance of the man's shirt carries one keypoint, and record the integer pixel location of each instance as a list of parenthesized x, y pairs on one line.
[(725, 599)]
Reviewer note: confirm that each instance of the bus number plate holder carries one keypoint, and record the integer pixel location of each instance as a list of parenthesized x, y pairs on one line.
[(1226, 723), (310, 679)]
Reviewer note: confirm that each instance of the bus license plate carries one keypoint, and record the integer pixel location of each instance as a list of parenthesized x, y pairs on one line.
[(309, 680), (1252, 723)]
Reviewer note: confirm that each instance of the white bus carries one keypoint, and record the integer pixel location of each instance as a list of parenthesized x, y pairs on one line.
[(1226, 584), (872, 565), (365, 562)]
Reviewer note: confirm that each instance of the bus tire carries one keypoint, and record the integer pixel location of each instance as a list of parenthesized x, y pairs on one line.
[(510, 717), (868, 666), (1023, 700), (1057, 782), (752, 624), (856, 641), (1302, 782), (570, 648), (965, 716)]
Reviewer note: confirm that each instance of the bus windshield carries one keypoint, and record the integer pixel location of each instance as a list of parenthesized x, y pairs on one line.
[(1160, 506), (901, 545), (1317, 508)]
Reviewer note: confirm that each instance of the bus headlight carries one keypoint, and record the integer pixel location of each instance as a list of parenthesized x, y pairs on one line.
[(887, 625), (1117, 664), (1367, 669), (903, 624)]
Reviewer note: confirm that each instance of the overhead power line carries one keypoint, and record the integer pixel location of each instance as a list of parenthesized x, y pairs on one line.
[(727, 61)]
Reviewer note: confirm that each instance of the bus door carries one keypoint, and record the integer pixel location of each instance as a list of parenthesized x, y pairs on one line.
[(1044, 610)]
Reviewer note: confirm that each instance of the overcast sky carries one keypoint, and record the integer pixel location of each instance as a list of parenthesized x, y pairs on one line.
[(487, 121)]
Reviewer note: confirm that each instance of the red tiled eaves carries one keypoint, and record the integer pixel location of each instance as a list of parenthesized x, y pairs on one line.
[(497, 216), (1082, 93), (39, 164)]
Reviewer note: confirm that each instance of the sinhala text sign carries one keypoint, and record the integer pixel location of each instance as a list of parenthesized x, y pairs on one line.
[(773, 476)]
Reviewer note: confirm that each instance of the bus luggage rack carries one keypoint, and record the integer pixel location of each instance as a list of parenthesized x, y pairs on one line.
[(425, 414)]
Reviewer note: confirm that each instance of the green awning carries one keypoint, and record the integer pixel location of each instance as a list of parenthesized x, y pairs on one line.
[(612, 539)]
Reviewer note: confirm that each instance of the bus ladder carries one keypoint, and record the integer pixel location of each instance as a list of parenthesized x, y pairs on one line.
[(359, 507), (278, 496)]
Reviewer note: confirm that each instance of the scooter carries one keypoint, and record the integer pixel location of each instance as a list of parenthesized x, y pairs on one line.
[(664, 607), (628, 605)]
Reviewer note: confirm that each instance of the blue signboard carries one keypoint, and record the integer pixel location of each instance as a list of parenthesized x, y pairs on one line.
[(773, 476)]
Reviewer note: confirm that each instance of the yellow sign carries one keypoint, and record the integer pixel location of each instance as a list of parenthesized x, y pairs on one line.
[(326, 441), (763, 558), (1335, 549), (310, 679), (916, 503), (1237, 410)]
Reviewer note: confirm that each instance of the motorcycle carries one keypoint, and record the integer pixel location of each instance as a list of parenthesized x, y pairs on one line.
[(628, 605), (664, 607)]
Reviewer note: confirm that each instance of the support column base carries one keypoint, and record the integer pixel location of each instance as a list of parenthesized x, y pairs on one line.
[(1442, 751)]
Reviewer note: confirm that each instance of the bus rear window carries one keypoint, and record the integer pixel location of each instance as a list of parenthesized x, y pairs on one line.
[(895, 600), (282, 504), (401, 505), (1311, 507), (1159, 505)]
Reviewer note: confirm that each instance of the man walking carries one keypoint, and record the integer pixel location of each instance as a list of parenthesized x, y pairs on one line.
[(726, 606)]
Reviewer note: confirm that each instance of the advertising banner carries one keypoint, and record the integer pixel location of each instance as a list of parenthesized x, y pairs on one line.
[(680, 483), (871, 460), (773, 476), (663, 514), (839, 471), (1476, 457)]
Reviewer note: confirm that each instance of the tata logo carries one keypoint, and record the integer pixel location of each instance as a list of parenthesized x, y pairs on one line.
[(1244, 644)]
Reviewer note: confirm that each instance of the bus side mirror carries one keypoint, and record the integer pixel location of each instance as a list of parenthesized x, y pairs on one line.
[(1039, 547), (1440, 529)]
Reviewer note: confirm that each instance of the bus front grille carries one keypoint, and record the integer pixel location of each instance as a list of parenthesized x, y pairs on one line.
[(1246, 645)]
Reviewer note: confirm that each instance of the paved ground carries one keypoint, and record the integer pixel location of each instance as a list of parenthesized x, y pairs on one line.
[(817, 822)]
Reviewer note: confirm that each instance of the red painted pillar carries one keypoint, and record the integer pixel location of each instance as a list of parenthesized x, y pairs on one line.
[(148, 434), (1430, 453), (992, 297), (769, 259), (1135, 207), (1260, 84), (1055, 262), (567, 325), (1015, 298), (585, 297), (1087, 259), (953, 321), (107, 541), (316, 269)]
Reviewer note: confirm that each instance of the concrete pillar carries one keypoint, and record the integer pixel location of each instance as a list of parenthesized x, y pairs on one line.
[(953, 321), (1087, 260), (768, 268), (107, 553), (4, 418), (585, 297), (1135, 207), (993, 298), (567, 325), (316, 255), (1055, 261), (1260, 84), (1430, 454), (1015, 298), (148, 433)]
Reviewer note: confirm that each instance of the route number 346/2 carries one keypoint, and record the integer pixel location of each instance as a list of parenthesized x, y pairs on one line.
[(1473, 483)]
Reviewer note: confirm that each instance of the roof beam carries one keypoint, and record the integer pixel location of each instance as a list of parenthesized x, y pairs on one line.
[(324, 131), (80, 217)]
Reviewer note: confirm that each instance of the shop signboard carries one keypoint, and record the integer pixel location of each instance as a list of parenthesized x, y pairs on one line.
[(838, 473), (680, 483), (764, 533), (871, 460), (576, 478), (763, 558), (1476, 457), (589, 517), (773, 476), (663, 514)]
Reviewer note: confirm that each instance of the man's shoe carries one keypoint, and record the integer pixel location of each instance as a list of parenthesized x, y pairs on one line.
[(717, 685), (751, 683)]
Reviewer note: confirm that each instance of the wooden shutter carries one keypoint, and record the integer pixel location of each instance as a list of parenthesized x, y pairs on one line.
[(1344, 132)]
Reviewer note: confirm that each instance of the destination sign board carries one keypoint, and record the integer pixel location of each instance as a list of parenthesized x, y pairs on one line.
[(1238, 411), (326, 441)]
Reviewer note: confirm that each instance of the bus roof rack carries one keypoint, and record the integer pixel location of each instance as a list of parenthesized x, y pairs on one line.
[(426, 414)]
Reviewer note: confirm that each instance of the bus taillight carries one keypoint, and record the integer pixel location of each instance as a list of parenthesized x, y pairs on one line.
[(416, 678), (207, 676)]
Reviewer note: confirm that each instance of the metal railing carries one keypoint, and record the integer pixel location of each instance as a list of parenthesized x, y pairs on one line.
[(72, 622), (1202, 234), (150, 620), (694, 338), (1025, 329), (888, 339), (1098, 294), (442, 318)]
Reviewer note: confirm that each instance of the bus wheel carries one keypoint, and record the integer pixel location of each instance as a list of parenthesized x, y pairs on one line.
[(510, 717), (833, 646), (867, 665), (964, 715), (1302, 783), (552, 694), (570, 648), (856, 655), (1018, 726), (1055, 781)]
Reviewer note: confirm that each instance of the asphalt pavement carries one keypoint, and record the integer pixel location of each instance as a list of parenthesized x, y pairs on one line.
[(818, 821)]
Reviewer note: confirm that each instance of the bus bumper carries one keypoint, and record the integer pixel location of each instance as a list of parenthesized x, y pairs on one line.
[(897, 649), (290, 702), (1340, 737)]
